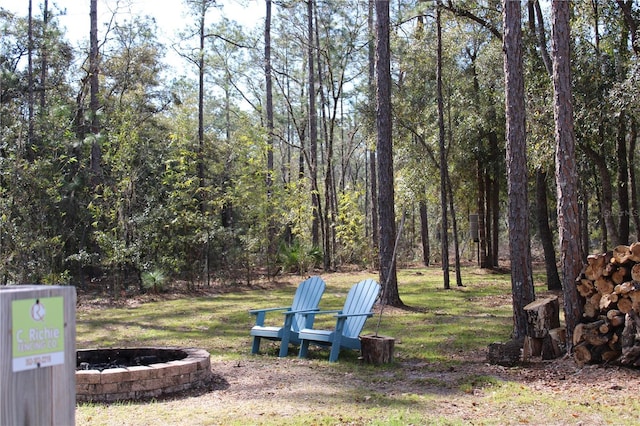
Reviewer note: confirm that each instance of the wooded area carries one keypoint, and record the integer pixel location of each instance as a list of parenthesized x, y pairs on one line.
[(267, 151)]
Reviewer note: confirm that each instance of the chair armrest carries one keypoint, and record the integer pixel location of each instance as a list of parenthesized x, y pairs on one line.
[(336, 311), (367, 314), (256, 311), (261, 313)]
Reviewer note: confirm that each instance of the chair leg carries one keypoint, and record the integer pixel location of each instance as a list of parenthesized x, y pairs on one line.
[(284, 348), (304, 347), (335, 351), (255, 348)]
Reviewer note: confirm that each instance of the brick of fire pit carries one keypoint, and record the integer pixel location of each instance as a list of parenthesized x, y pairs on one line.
[(139, 382)]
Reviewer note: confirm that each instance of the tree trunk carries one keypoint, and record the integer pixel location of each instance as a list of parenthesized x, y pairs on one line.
[(313, 133), (454, 226), (606, 195), (633, 188), (566, 170), (388, 278), (623, 180), (44, 55), (482, 230), (30, 91), (424, 233), (443, 157), (519, 248), (95, 162), (546, 237), (494, 195), (271, 229), (371, 150)]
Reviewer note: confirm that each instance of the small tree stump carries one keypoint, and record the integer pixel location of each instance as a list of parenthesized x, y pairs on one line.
[(377, 349), (507, 354), (542, 316)]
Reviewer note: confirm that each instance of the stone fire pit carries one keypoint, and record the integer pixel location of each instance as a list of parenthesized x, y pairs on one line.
[(107, 375)]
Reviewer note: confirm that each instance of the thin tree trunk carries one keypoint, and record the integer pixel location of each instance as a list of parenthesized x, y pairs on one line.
[(519, 242), (271, 229), (566, 170), (494, 196), (424, 233), (606, 194), (482, 234), (30, 91), (44, 53), (633, 187), (313, 133), (488, 221), (371, 150), (542, 214), (456, 240), (443, 157), (95, 162), (623, 180)]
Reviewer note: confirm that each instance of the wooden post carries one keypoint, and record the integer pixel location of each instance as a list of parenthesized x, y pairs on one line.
[(37, 355), (377, 349)]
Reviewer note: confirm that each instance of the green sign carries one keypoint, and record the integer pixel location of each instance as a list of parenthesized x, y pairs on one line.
[(38, 332)]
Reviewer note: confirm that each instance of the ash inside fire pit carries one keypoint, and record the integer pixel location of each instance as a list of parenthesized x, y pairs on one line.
[(102, 359)]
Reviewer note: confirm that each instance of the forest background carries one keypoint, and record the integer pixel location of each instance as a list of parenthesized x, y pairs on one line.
[(264, 157)]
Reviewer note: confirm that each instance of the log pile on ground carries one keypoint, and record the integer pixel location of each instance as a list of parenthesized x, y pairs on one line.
[(610, 328)]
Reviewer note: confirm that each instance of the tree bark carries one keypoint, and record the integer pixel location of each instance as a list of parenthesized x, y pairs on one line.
[(388, 278), (566, 170), (519, 248)]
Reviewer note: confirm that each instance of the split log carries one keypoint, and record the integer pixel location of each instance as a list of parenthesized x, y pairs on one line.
[(621, 275), (596, 264), (635, 272), (542, 315), (621, 254), (635, 252), (582, 354), (585, 287), (531, 348), (607, 301), (604, 285), (592, 306), (554, 345), (615, 317), (624, 304), (624, 288)]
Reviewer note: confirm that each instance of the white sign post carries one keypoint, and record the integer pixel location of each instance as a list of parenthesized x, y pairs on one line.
[(37, 355)]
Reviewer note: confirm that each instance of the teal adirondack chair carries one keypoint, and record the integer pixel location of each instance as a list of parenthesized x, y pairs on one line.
[(306, 299), (349, 321)]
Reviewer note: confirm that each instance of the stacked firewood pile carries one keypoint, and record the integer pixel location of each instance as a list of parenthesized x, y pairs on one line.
[(610, 328)]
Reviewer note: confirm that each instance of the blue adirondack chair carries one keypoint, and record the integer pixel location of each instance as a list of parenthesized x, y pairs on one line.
[(349, 321), (306, 299)]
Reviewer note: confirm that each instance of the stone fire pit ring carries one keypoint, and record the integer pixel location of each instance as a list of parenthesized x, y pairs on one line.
[(119, 374)]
